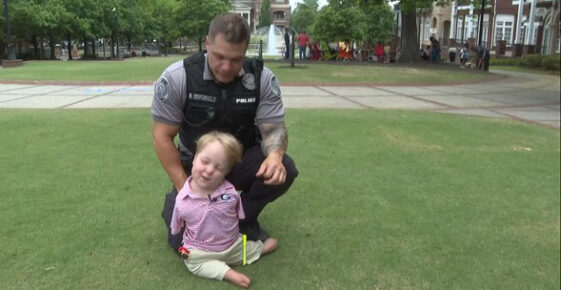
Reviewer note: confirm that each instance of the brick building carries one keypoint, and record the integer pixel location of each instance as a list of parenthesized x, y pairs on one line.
[(251, 10), (501, 30)]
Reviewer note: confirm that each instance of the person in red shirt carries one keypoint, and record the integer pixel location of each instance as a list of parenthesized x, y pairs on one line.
[(379, 51), (303, 43)]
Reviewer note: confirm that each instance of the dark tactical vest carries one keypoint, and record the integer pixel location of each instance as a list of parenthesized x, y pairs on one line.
[(224, 107)]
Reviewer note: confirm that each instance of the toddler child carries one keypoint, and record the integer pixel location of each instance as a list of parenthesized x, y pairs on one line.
[(209, 208)]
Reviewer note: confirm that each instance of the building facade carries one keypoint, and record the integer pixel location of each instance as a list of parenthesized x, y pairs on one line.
[(506, 26), (251, 10)]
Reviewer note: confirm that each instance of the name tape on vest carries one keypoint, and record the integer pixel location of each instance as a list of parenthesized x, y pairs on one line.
[(201, 97)]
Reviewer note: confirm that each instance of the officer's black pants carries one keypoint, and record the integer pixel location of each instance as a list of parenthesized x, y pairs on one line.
[(255, 194)]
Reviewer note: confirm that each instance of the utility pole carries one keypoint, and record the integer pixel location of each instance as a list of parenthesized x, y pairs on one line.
[(481, 15), (116, 30), (166, 38)]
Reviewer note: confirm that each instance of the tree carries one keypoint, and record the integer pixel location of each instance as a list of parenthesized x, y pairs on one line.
[(265, 16), (409, 42), (379, 20), (336, 24), (194, 17), (29, 21), (164, 26), (304, 15)]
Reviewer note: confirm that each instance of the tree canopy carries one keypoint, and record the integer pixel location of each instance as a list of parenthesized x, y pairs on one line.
[(265, 14), (354, 20), (134, 22)]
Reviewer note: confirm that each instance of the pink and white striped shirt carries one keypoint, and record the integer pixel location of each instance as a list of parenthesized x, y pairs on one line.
[(211, 222)]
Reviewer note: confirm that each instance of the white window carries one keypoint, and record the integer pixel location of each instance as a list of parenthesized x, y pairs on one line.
[(503, 29), (475, 29), (526, 28), (278, 15), (426, 31)]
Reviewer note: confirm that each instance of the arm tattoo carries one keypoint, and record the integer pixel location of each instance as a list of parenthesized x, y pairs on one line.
[(274, 138)]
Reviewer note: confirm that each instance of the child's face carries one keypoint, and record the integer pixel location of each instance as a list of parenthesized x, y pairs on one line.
[(210, 167)]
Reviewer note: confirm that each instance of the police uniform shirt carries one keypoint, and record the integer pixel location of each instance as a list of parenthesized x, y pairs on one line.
[(170, 96)]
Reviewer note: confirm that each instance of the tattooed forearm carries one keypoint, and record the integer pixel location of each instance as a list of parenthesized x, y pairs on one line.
[(274, 138)]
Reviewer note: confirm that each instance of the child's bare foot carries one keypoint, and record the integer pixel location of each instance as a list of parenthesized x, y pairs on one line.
[(237, 278), (269, 246)]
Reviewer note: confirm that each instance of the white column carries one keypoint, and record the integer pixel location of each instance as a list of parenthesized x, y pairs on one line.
[(518, 39), (470, 23), (453, 21), (531, 26)]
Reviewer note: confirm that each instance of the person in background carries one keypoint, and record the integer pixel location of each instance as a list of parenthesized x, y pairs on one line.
[(434, 50), (379, 51), (302, 44), (464, 54), (287, 43)]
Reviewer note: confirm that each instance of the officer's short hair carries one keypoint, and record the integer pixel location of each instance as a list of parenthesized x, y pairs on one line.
[(231, 145), (232, 25)]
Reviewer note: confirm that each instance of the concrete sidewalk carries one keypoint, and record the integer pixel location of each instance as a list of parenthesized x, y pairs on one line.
[(532, 98)]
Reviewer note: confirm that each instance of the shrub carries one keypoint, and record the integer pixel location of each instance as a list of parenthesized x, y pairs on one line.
[(507, 61), (533, 60), (551, 62)]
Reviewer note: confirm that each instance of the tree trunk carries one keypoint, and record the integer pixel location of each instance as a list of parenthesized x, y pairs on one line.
[(554, 28), (85, 55), (52, 44), (2, 47), (94, 54), (69, 46), (41, 48), (409, 49), (113, 46), (200, 44), (35, 46)]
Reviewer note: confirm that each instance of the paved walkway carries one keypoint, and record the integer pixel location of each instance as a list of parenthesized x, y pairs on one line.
[(531, 98)]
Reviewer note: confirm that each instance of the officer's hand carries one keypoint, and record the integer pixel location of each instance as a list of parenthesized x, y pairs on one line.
[(272, 170)]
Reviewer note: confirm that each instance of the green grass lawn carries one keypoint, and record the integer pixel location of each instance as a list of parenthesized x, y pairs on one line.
[(148, 69), (384, 200)]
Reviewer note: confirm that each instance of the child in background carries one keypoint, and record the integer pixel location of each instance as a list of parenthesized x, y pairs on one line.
[(209, 208), (464, 54)]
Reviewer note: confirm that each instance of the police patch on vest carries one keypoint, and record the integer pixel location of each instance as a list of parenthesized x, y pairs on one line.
[(161, 89), (245, 100), (275, 87), (202, 98), (249, 81)]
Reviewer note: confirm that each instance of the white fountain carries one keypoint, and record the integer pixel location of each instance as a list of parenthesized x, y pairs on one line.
[(272, 41)]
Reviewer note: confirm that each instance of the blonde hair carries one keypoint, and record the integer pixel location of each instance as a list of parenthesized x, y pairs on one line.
[(232, 147)]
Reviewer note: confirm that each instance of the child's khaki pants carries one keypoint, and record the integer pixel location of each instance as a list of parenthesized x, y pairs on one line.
[(214, 265)]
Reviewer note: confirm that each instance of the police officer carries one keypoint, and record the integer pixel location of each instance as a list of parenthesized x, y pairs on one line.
[(221, 89)]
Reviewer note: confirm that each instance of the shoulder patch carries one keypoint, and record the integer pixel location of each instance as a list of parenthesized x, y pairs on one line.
[(161, 89), (275, 86), (249, 81)]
